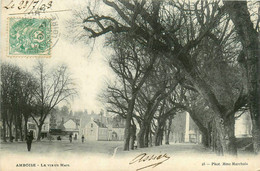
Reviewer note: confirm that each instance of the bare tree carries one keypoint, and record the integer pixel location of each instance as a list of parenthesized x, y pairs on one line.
[(27, 103), (53, 88), (160, 84), (164, 118), (133, 68), (16, 90), (11, 77)]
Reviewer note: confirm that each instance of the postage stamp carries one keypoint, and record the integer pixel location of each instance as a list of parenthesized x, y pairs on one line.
[(29, 37)]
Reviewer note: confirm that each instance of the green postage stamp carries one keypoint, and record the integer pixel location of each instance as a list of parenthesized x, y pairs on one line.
[(29, 37)]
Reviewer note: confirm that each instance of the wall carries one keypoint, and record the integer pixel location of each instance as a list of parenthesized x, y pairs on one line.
[(119, 132), (102, 134)]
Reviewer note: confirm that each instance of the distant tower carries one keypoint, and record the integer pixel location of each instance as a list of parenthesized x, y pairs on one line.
[(187, 128)]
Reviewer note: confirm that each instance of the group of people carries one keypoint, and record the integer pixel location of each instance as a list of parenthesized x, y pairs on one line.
[(29, 139), (82, 138)]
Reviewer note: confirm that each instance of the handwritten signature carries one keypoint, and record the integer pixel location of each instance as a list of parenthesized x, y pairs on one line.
[(145, 158)]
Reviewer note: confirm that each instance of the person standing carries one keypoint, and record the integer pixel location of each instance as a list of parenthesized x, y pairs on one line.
[(70, 137), (82, 138), (29, 139)]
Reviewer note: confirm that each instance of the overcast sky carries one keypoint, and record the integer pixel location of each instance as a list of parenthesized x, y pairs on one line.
[(88, 67)]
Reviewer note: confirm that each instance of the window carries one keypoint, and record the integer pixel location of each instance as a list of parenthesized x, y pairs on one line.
[(92, 125)]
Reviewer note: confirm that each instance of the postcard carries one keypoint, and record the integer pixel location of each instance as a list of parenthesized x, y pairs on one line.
[(129, 85)]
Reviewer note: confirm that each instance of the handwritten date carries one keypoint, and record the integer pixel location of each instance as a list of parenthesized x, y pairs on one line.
[(29, 6)]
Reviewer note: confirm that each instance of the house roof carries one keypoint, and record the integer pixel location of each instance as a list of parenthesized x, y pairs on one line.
[(61, 126), (87, 118), (118, 125), (100, 124)]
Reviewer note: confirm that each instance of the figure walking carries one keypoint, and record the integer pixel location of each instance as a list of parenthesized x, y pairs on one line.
[(82, 138), (29, 139)]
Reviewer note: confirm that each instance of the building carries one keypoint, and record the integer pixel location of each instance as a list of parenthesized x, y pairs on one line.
[(71, 127), (243, 125), (111, 129), (184, 129), (116, 128), (95, 130), (45, 127), (64, 125), (31, 126)]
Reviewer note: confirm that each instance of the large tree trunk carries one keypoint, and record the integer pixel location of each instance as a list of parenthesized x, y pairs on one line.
[(203, 129), (159, 138), (226, 135), (213, 137), (215, 143), (148, 121), (150, 139), (4, 129), (229, 126), (249, 38), (21, 130), (16, 133), (205, 138), (127, 134), (10, 124), (128, 123), (159, 132), (209, 134), (131, 142), (167, 135), (132, 136), (156, 135), (16, 127), (141, 136), (224, 125), (146, 135), (10, 132), (256, 134), (39, 131), (19, 126), (25, 127), (168, 131)]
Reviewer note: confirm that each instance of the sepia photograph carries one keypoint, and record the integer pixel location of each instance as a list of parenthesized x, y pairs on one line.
[(130, 85)]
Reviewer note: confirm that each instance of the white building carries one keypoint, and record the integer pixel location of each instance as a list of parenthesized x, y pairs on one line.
[(243, 125), (95, 130), (71, 127)]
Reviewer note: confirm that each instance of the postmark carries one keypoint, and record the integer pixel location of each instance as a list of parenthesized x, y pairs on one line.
[(29, 37), (32, 28)]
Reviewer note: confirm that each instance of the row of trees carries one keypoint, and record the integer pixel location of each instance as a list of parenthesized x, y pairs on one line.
[(33, 95), (201, 57)]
